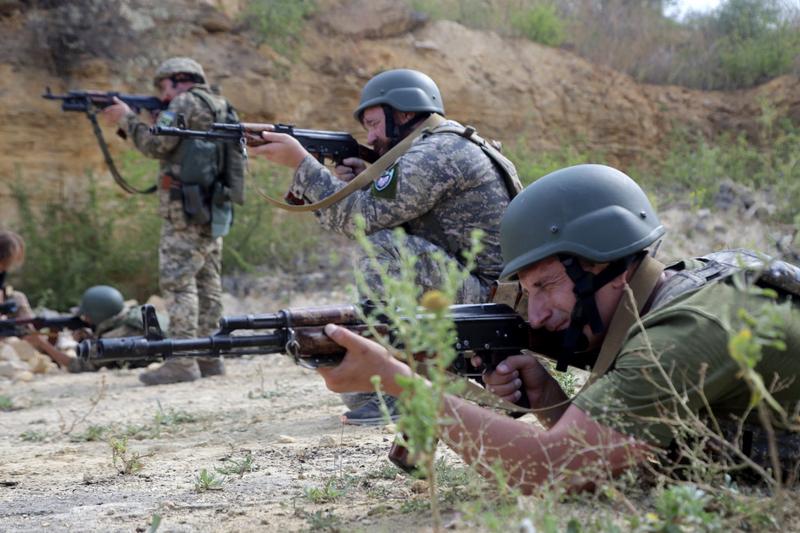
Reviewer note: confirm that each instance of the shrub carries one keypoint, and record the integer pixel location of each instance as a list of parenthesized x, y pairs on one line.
[(540, 23), (279, 22)]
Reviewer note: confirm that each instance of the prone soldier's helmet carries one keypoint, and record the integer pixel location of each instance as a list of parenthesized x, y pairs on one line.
[(101, 302), (403, 90), (590, 212), (180, 69)]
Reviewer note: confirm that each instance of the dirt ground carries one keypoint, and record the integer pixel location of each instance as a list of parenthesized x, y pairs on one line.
[(271, 427), (303, 468)]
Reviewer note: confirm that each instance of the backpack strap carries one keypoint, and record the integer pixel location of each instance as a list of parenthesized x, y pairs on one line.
[(490, 148)]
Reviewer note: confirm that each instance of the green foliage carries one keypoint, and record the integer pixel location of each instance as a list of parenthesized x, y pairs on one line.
[(279, 22), (92, 433), (155, 522), (237, 466), (205, 480), (72, 246), (679, 508), (698, 165), (331, 491), (32, 435), (756, 43), (6, 403), (265, 236), (124, 460), (540, 23), (536, 20), (533, 164)]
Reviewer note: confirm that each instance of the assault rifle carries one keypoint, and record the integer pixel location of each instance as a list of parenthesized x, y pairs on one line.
[(490, 331), (89, 102), (19, 327), (84, 101), (334, 145)]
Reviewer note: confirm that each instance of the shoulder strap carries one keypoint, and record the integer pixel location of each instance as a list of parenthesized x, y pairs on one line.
[(507, 168), (216, 112), (367, 176), (641, 286)]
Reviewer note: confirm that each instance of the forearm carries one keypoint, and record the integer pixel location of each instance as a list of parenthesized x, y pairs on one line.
[(153, 146)]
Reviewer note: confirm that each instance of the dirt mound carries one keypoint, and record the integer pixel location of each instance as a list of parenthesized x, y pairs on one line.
[(509, 88)]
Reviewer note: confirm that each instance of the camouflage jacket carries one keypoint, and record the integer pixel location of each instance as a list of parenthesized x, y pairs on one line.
[(197, 115), (441, 189)]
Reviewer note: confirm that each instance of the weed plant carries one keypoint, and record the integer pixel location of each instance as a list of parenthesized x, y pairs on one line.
[(124, 460), (6, 403), (206, 480)]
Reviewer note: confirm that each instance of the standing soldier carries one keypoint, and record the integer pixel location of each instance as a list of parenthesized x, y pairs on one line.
[(447, 183), (190, 251)]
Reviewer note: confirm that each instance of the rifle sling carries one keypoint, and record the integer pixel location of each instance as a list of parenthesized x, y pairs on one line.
[(637, 293), (370, 174), (127, 187)]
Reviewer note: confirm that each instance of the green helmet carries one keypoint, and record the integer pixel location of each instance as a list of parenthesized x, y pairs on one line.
[(101, 302), (402, 89), (179, 65), (590, 211)]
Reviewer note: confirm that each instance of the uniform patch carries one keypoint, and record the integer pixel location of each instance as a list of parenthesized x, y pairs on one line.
[(386, 185), (165, 118)]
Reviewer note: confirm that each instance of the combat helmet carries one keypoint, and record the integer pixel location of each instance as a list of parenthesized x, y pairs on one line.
[(403, 90), (101, 302), (590, 212), (174, 67)]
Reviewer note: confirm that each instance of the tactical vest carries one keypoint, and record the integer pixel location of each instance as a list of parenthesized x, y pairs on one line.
[(492, 150), (762, 271), (721, 266)]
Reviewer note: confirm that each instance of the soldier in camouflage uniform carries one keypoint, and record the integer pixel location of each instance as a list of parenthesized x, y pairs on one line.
[(671, 346), (190, 256), (440, 190), (104, 308)]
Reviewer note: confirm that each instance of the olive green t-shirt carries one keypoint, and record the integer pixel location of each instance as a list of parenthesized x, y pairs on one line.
[(681, 362)]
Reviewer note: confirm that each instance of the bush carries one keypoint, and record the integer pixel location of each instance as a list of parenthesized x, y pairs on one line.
[(71, 247), (539, 23), (697, 165), (279, 22)]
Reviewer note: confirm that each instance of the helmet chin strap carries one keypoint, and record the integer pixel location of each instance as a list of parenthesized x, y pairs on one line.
[(586, 285), (397, 132)]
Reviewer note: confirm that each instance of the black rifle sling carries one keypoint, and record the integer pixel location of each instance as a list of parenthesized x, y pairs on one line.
[(122, 182)]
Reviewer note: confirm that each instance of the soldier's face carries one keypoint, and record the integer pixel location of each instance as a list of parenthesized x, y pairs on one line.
[(167, 90), (551, 297), (374, 121)]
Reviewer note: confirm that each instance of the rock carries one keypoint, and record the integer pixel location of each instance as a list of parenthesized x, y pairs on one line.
[(371, 19), (326, 441), (214, 21), (7, 353), (24, 376), (419, 486), (286, 439)]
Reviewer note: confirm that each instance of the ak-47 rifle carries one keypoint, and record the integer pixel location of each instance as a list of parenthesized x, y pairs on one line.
[(86, 101), (19, 327), (89, 102), (334, 145), (490, 331)]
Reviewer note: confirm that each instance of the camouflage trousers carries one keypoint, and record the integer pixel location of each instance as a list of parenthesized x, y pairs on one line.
[(190, 268), (429, 274)]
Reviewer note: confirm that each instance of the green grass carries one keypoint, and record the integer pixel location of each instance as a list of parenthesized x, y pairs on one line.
[(6, 403)]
